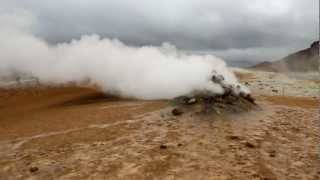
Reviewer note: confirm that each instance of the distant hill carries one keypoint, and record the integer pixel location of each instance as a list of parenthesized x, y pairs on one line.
[(241, 63), (306, 60)]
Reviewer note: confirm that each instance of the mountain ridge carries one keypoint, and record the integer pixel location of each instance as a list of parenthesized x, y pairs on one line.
[(306, 60)]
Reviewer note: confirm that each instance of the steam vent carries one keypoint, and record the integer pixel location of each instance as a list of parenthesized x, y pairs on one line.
[(232, 100)]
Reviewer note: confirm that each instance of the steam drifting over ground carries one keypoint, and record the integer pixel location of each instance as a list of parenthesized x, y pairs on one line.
[(142, 72)]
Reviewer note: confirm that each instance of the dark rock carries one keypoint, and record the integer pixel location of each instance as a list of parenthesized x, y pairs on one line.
[(177, 112), (274, 90), (33, 169), (228, 90), (272, 153), (233, 137), (217, 78), (315, 45), (229, 102), (162, 146), (181, 99), (250, 145), (250, 98)]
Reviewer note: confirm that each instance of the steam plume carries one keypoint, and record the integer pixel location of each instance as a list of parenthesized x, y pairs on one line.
[(141, 72)]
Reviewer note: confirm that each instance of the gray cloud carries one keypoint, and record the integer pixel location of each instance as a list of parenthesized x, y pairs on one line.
[(256, 30)]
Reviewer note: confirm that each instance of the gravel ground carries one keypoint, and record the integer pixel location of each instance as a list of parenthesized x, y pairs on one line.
[(80, 133), (294, 84)]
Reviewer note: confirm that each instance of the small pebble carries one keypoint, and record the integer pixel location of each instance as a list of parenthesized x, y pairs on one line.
[(233, 137), (272, 153), (177, 112), (33, 169), (250, 145), (162, 146)]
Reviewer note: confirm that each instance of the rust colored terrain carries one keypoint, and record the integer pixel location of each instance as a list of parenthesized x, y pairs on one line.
[(81, 133)]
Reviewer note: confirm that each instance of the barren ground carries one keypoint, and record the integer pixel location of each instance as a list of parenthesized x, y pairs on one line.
[(80, 133)]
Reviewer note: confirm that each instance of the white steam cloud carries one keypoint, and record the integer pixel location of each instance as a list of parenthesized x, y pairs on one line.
[(145, 72)]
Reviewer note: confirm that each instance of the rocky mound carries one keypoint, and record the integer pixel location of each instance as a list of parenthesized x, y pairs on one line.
[(223, 104), (233, 100), (302, 61)]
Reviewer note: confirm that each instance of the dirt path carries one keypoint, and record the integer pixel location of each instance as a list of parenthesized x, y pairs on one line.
[(78, 133)]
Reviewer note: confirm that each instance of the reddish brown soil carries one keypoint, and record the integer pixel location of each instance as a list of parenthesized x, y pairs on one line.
[(302, 102), (81, 133), (31, 111)]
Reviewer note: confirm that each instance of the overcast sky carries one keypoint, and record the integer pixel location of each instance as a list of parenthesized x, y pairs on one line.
[(233, 29)]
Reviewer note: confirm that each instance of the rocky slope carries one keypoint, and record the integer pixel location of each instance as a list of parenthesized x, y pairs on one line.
[(302, 61)]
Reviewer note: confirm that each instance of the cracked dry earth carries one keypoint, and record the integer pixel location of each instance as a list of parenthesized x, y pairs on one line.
[(78, 133)]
